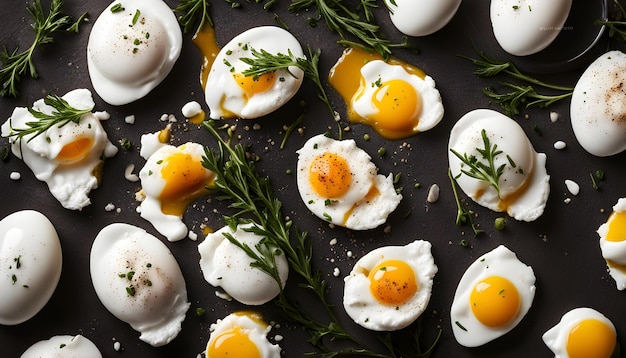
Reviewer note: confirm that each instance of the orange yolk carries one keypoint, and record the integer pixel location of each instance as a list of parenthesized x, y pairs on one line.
[(185, 180), (398, 106), (617, 227), (495, 301), (75, 151), (591, 338), (392, 282), (329, 175), (251, 85), (233, 343), (205, 40)]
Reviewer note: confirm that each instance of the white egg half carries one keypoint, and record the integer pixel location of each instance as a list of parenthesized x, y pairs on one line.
[(525, 27), (138, 280), (171, 179), (421, 17), (230, 94), (598, 109), (67, 157), (30, 265), (63, 346), (241, 334), (494, 294), (132, 47), (339, 183), (524, 183), (226, 265), (390, 287), (613, 243), (582, 332)]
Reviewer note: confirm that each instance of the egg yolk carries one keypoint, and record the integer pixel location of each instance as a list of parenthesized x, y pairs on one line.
[(591, 338), (329, 175), (206, 42), (185, 180), (75, 151), (495, 301), (233, 343), (252, 85), (371, 195), (392, 282), (617, 227), (397, 103)]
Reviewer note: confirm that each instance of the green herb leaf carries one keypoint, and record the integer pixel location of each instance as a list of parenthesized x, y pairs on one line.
[(193, 12)]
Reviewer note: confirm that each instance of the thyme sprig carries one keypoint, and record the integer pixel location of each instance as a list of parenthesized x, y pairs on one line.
[(193, 12), (617, 28), (62, 114), (480, 170), (253, 198), (521, 96), (15, 63), (463, 215)]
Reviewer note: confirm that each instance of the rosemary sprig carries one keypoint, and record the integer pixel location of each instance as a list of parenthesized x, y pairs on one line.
[(521, 96), (617, 28), (193, 12), (15, 63), (463, 215), (477, 168), (62, 114)]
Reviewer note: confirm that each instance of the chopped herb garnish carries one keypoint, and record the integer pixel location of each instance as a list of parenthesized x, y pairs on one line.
[(462, 214), (200, 312), (135, 18), (460, 325), (130, 290), (117, 8), (13, 279), (327, 217), (194, 12), (125, 143)]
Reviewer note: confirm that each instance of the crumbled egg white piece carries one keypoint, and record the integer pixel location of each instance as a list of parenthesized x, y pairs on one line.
[(64, 346)]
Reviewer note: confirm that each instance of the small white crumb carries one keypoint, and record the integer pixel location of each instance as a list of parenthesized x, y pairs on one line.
[(192, 236), (140, 195), (256, 127), (163, 117), (349, 253), (387, 229), (554, 116), (15, 176), (336, 272), (572, 186), (102, 115), (433, 193), (117, 346), (171, 118), (191, 109), (559, 144), (567, 200), (278, 338), (333, 241), (109, 207), (223, 295), (130, 119), (129, 175)]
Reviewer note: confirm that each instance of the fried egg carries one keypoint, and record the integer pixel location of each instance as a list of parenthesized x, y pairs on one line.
[(133, 46), (493, 296), (241, 334), (597, 109), (67, 157), (138, 280), (524, 183), (231, 94), (63, 346), (30, 265), (226, 265), (395, 98), (613, 243), (421, 17), (582, 333), (171, 179), (390, 287), (339, 183)]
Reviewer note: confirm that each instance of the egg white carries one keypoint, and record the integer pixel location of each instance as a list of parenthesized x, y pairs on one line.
[(64, 346), (252, 325), (421, 17), (614, 251)]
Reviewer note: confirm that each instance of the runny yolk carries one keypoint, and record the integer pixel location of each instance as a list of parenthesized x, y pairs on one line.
[(75, 151), (398, 106), (233, 342), (591, 338), (185, 180), (495, 301), (329, 175), (251, 85), (371, 195), (617, 227), (392, 282), (205, 40)]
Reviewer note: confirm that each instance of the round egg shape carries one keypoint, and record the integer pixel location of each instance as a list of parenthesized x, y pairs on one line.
[(390, 287), (231, 94), (67, 157), (241, 334), (524, 184), (30, 265), (226, 265), (133, 46), (493, 296), (138, 280), (171, 179), (421, 17), (525, 27), (338, 182), (63, 346), (597, 108), (613, 243), (582, 332)]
